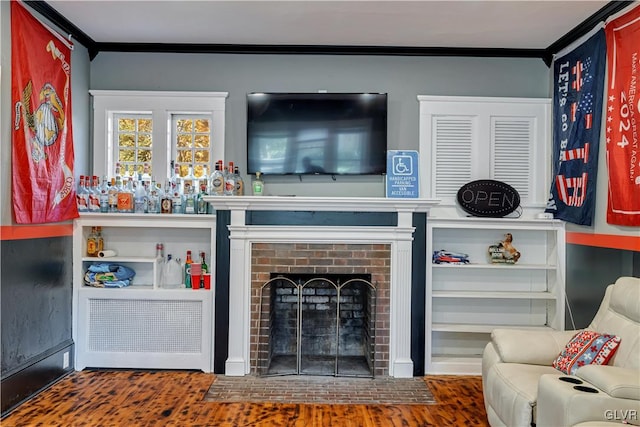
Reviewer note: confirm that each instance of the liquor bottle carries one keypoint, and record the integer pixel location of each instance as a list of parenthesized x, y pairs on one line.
[(202, 205), (176, 178), (140, 197), (203, 180), (176, 199), (205, 269), (92, 243), (125, 198), (189, 200), (118, 173), (239, 182), (229, 181), (258, 185), (166, 203), (146, 176), (189, 180), (104, 195), (94, 194), (82, 198), (153, 206), (187, 270), (100, 239), (217, 181), (113, 196)]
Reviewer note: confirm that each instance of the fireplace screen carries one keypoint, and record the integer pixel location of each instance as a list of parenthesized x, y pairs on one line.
[(313, 324)]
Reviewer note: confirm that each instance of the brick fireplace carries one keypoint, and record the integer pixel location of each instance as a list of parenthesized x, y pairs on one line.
[(384, 251), (309, 260)]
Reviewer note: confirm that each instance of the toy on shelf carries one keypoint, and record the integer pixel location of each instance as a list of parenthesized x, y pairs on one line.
[(446, 257), (504, 252)]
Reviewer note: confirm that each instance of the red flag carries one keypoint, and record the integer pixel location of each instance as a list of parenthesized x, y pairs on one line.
[(42, 145), (623, 147)]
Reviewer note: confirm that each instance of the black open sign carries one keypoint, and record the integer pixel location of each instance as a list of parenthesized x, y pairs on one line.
[(488, 198)]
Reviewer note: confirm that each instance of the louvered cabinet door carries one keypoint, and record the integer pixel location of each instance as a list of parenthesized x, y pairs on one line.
[(467, 138)]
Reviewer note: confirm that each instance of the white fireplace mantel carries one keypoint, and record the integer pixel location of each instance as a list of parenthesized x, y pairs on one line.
[(338, 204), (242, 236)]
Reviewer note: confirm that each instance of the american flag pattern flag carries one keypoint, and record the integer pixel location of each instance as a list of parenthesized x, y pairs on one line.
[(579, 76)]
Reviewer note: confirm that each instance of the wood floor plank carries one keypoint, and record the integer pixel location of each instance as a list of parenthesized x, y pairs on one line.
[(175, 398)]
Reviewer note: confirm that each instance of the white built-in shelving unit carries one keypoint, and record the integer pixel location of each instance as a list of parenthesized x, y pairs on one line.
[(465, 302), (143, 325)]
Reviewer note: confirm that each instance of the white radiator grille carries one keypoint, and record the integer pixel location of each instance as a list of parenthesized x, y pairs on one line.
[(153, 326)]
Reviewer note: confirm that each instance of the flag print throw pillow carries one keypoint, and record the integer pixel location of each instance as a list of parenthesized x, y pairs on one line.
[(586, 348)]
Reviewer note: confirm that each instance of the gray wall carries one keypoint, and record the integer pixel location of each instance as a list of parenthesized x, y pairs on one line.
[(403, 78)]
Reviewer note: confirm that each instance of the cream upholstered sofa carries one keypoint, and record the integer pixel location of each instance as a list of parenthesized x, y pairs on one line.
[(522, 388)]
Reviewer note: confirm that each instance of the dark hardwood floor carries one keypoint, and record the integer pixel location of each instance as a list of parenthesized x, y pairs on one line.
[(175, 398)]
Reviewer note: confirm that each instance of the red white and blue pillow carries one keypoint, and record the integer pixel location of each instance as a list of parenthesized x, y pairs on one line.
[(586, 348)]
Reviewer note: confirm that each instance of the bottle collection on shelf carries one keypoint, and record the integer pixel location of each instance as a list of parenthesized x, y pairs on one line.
[(142, 194), (190, 274)]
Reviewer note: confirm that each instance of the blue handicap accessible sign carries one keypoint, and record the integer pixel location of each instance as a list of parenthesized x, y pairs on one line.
[(402, 174)]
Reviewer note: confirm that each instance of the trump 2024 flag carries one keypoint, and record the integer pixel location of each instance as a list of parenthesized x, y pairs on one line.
[(41, 137), (577, 110), (623, 119)]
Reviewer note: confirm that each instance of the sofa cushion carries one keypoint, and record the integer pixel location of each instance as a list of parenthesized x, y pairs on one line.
[(585, 348)]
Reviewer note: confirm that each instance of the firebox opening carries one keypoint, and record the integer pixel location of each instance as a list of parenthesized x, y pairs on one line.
[(318, 324)]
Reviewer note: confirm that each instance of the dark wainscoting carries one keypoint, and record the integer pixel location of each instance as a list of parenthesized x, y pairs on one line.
[(589, 270), (36, 297)]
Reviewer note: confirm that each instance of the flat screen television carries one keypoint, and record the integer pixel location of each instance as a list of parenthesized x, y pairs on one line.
[(316, 133)]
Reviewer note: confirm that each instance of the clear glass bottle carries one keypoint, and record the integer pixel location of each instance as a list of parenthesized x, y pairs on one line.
[(202, 205), (153, 206), (189, 200), (94, 194), (166, 202), (146, 176), (217, 181), (104, 195), (229, 181), (258, 185), (82, 198), (141, 201), (113, 196), (189, 180), (176, 200)]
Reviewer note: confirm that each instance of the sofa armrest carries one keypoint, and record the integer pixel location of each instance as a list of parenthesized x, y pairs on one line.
[(529, 346), (623, 383)]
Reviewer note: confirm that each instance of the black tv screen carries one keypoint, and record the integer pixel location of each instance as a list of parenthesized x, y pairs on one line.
[(316, 133)]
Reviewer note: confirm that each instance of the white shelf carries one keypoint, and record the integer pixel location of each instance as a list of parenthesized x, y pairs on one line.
[(122, 259), (494, 295), (516, 266), (479, 329)]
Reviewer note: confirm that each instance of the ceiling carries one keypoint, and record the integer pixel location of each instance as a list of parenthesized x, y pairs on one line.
[(523, 24)]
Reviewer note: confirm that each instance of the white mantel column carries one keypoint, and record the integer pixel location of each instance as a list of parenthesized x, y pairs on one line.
[(401, 364), (237, 363)]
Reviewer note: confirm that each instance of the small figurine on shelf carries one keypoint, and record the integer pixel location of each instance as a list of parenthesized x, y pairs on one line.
[(504, 252), (447, 257)]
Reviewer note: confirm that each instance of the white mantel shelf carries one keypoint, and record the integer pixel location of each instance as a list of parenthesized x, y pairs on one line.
[(338, 204)]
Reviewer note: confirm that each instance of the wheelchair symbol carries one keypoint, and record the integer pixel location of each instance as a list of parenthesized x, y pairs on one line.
[(402, 165)]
